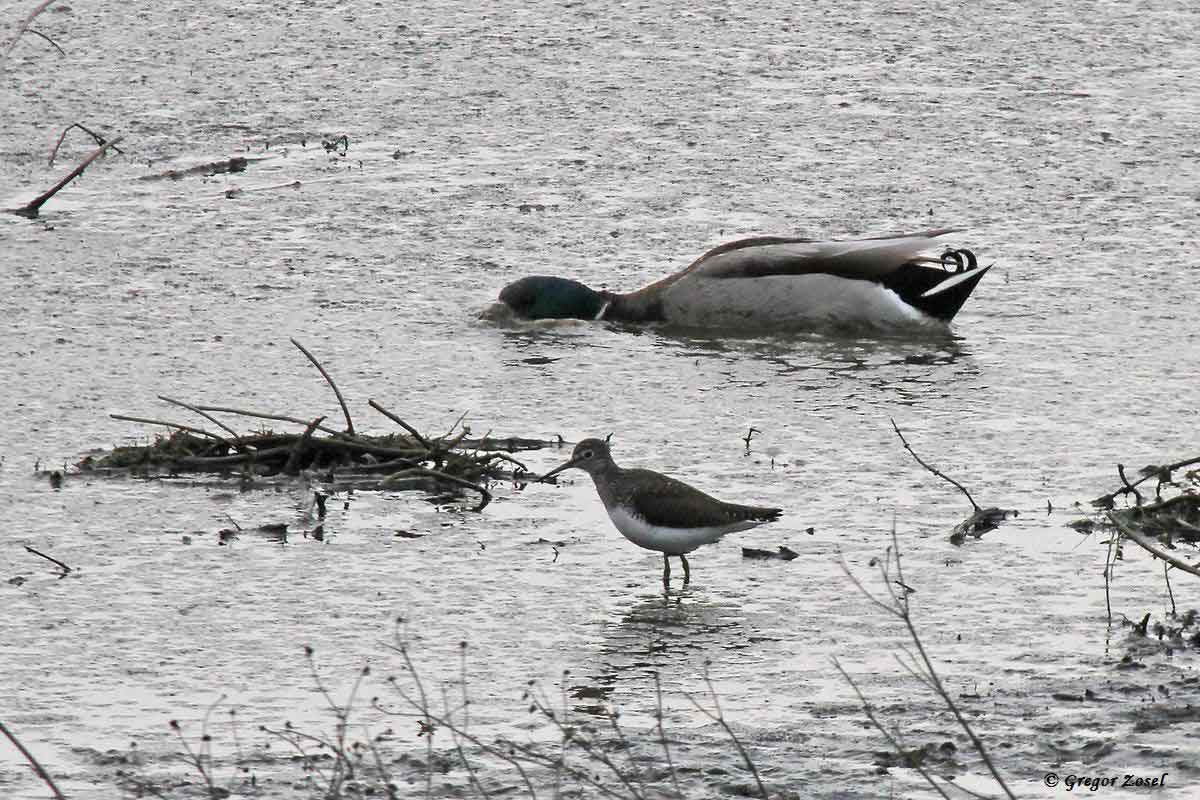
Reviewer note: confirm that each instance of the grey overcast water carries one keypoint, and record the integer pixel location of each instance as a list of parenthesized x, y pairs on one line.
[(612, 143)]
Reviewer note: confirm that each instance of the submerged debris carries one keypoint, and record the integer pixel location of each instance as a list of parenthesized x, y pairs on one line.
[(783, 554)]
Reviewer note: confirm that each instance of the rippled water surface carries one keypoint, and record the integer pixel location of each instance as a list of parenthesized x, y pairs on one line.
[(612, 144)]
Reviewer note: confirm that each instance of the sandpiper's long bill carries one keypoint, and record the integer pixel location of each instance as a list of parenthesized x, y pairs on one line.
[(658, 512)]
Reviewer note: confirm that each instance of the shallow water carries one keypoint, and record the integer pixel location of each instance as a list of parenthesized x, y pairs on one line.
[(612, 145)]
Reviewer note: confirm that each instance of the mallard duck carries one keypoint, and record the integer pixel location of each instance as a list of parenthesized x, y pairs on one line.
[(778, 283)]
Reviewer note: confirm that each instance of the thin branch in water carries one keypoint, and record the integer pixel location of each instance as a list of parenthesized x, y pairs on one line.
[(24, 26), (176, 425), (332, 385), (100, 140), (33, 762), (413, 431), (1149, 546), (31, 209), (262, 415), (235, 444), (60, 564), (53, 43), (936, 472), (1137, 496), (1167, 578)]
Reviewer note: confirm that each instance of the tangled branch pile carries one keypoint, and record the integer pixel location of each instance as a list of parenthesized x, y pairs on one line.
[(410, 460)]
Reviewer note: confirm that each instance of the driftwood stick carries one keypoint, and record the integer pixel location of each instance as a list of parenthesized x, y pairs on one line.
[(332, 385), (30, 210), (1137, 496), (457, 422), (176, 425), (24, 26), (1149, 546), (236, 444), (292, 465), (63, 566), (262, 415), (1187, 462), (939, 474), (61, 52), (97, 137), (413, 431), (33, 762)]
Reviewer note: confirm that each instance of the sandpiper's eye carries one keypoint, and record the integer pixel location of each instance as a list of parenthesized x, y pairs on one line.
[(588, 454)]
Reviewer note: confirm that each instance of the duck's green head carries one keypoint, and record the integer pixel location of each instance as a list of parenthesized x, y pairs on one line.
[(545, 297)]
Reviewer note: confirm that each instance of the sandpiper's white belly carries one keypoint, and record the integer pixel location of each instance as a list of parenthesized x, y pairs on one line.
[(672, 541), (789, 301)]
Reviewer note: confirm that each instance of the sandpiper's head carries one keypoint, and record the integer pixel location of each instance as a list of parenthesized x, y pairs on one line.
[(545, 297), (590, 455)]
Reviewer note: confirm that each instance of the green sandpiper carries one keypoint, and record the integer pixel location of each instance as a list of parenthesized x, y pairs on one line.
[(658, 512)]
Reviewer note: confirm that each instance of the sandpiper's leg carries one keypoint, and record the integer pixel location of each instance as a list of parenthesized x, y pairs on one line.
[(666, 572), (687, 572)]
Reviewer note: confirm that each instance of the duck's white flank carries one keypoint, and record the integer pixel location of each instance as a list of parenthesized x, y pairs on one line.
[(672, 541), (782, 301)]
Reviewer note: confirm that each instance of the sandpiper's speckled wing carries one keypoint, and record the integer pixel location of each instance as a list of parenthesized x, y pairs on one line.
[(665, 502)]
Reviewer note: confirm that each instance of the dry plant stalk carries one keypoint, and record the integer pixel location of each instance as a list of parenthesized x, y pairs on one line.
[(33, 762), (582, 755), (921, 667)]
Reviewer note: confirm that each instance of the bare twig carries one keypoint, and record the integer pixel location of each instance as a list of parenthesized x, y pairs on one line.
[(662, 735), (53, 43), (1137, 496), (1149, 546), (719, 718), (100, 140), (61, 565), (262, 415), (1108, 565), (31, 209), (415, 433), (24, 26), (1167, 578), (33, 762), (892, 740), (900, 609), (176, 425), (236, 444), (332, 385), (936, 472)]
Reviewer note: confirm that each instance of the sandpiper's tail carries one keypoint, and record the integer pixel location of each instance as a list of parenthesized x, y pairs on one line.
[(759, 514)]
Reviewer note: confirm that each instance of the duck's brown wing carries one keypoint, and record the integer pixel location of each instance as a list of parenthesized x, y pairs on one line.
[(868, 259)]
